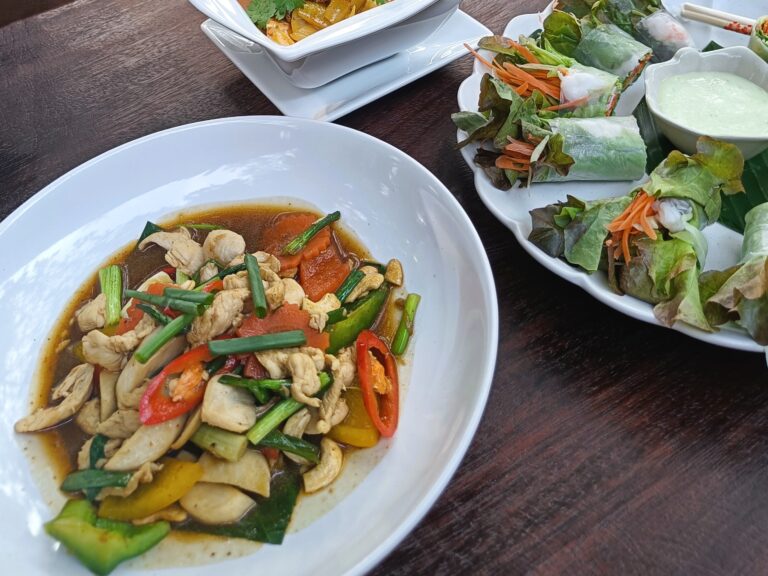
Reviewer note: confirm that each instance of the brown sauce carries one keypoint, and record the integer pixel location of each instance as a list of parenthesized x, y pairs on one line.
[(62, 443)]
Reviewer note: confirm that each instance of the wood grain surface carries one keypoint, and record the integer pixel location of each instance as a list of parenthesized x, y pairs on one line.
[(608, 446)]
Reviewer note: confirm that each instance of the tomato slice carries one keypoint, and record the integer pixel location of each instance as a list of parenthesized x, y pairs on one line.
[(377, 372), (157, 405)]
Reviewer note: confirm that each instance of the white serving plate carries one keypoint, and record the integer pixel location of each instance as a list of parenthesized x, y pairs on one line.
[(342, 96), (512, 207), (62, 235), (344, 47)]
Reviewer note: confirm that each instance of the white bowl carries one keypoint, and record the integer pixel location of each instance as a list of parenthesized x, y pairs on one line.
[(398, 209), (735, 60), (343, 47)]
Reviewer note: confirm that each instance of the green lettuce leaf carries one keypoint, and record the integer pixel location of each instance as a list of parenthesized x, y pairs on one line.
[(562, 32), (716, 167), (665, 273)]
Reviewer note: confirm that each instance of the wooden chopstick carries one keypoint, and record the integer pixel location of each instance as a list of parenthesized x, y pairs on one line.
[(725, 20)]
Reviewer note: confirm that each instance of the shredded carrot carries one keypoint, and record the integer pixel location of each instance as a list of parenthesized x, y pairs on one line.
[(519, 146), (632, 221), (507, 163), (522, 89), (521, 76), (565, 105)]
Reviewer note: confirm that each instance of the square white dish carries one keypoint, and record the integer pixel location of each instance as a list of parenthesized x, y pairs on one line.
[(356, 89)]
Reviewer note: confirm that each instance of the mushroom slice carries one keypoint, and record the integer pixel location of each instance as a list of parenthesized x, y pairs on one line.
[(227, 407), (250, 472), (80, 381), (193, 423), (147, 444), (135, 373), (216, 503), (331, 460)]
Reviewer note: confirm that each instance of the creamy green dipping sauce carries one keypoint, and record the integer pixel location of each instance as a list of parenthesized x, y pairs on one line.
[(715, 104)]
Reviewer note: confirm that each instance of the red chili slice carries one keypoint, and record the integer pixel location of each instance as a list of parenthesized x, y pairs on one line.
[(383, 408)]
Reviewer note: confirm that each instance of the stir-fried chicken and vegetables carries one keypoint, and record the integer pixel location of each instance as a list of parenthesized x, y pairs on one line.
[(209, 379), (288, 21)]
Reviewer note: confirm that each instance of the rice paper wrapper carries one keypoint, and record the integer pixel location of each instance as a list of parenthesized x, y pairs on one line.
[(664, 33), (758, 42), (608, 48), (607, 148), (600, 89)]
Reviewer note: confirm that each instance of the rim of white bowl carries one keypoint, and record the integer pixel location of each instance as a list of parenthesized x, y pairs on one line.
[(383, 548)]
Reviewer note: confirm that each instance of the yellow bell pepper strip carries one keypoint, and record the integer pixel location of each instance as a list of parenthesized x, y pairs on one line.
[(356, 429), (169, 485), (102, 544)]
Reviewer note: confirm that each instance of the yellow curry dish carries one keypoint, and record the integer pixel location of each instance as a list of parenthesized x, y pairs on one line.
[(214, 372), (289, 21)]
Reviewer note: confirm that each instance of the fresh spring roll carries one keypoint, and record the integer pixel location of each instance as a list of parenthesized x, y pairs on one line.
[(740, 293), (758, 42), (645, 20), (533, 146), (593, 43), (567, 86), (650, 241)]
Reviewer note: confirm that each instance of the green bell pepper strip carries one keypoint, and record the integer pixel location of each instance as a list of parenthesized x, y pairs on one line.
[(102, 544), (345, 332)]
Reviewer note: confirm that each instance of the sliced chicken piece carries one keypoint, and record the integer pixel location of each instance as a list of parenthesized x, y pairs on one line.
[(121, 424), (306, 382), (371, 281), (228, 407), (295, 426), (332, 409), (293, 293), (174, 513), (144, 475), (208, 271), (107, 395), (318, 426), (216, 503), (237, 281), (223, 245), (111, 352), (93, 315), (276, 361), (147, 444), (80, 383), (318, 311), (250, 472), (84, 455), (182, 252), (331, 460), (87, 418), (219, 317), (133, 376), (265, 260)]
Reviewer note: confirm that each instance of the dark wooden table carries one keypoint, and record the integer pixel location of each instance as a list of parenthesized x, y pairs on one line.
[(608, 446)]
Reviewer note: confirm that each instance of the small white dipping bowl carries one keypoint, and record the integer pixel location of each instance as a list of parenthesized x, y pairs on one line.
[(736, 60), (342, 48)]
